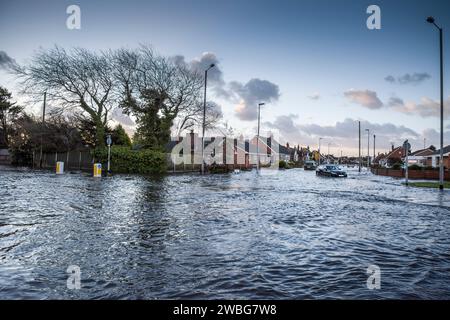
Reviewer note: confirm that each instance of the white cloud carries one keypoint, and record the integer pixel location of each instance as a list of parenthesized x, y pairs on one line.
[(365, 98)]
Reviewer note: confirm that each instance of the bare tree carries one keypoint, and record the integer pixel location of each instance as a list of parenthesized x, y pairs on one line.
[(156, 91), (75, 79), (193, 117)]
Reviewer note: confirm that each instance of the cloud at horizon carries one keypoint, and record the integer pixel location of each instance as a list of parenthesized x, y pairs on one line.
[(344, 134)]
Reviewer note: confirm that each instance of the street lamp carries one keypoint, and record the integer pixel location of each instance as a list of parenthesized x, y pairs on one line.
[(328, 156), (320, 156), (368, 149), (374, 155), (441, 153), (204, 117), (257, 136)]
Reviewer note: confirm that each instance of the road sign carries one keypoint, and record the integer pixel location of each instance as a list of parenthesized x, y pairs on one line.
[(407, 145), (108, 140)]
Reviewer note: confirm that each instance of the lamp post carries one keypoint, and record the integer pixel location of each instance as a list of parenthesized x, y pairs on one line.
[(204, 118), (328, 156), (42, 133), (368, 149), (374, 155), (257, 136), (320, 156), (441, 153), (359, 146)]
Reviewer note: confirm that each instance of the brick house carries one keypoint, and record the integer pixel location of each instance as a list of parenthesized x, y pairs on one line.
[(433, 159), (420, 157), (393, 157)]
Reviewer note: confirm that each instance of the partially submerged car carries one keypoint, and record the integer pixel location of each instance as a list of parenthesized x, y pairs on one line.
[(309, 165), (331, 170)]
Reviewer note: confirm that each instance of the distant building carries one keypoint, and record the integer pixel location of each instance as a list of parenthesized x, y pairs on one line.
[(420, 157), (393, 157), (433, 159), (379, 159)]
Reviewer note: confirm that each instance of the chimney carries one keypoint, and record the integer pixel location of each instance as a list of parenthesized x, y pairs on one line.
[(287, 145)]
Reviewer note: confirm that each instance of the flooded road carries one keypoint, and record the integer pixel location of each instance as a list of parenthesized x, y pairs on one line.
[(290, 235)]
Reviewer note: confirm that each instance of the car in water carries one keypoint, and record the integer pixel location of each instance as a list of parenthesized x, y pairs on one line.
[(331, 170), (309, 165)]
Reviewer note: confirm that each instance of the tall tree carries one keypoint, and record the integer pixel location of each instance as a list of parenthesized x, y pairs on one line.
[(9, 112), (75, 79), (156, 91), (120, 137)]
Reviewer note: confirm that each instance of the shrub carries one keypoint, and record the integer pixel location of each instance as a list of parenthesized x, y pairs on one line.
[(397, 166), (415, 167), (282, 164), (126, 160)]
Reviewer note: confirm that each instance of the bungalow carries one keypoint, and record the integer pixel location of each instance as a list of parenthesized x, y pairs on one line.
[(420, 157), (379, 159), (433, 159), (393, 157)]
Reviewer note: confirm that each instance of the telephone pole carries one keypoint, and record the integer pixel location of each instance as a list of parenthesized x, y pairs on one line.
[(359, 148), (42, 132)]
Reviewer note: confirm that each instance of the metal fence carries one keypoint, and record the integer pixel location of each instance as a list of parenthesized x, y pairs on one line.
[(73, 160)]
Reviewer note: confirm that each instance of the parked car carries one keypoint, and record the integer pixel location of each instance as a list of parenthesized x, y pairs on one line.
[(330, 170), (310, 165)]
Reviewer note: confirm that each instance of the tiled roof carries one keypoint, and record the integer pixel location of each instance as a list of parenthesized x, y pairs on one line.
[(396, 153), (446, 150), (423, 152)]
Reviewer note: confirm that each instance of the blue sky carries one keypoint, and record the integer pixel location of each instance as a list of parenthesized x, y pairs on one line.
[(328, 67)]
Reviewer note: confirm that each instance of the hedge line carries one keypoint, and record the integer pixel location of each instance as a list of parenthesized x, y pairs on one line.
[(126, 160)]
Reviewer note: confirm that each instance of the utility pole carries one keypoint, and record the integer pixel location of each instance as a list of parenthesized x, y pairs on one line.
[(359, 148), (320, 156), (204, 118), (42, 133), (257, 136), (441, 151), (368, 148), (406, 148), (374, 155)]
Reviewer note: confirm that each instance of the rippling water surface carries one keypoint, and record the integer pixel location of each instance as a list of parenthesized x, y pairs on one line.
[(289, 235)]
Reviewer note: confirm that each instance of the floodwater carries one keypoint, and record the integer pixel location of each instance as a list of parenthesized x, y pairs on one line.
[(291, 235)]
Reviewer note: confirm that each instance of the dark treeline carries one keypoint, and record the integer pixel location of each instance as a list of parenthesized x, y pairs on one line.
[(24, 133)]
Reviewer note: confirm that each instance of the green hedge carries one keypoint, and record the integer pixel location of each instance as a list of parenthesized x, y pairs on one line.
[(126, 160), (283, 164)]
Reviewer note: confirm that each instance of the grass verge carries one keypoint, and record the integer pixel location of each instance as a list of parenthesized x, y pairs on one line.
[(428, 184)]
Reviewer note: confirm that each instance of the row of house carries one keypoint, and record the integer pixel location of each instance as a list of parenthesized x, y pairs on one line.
[(428, 157)]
